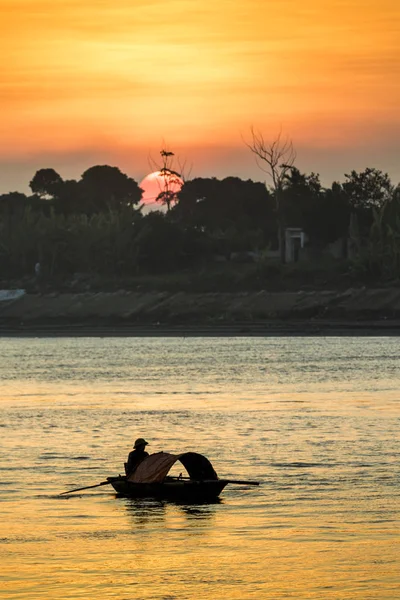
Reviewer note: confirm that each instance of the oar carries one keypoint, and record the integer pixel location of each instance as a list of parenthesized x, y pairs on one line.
[(86, 488), (240, 482)]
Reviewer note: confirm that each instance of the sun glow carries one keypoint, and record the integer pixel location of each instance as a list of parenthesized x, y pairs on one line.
[(100, 77), (155, 184)]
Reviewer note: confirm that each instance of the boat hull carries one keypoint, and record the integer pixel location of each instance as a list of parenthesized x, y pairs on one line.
[(185, 490)]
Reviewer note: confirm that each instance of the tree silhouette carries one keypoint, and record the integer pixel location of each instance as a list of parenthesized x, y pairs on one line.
[(368, 189), (13, 203), (276, 158), (45, 182), (105, 187), (171, 178), (366, 192), (238, 213)]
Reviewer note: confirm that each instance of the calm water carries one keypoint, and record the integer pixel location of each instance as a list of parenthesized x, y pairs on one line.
[(316, 420)]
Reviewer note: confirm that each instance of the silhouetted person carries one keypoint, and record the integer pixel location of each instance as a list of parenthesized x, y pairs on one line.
[(136, 456)]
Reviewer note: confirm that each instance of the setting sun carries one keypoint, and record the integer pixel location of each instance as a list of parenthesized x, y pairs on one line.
[(154, 184)]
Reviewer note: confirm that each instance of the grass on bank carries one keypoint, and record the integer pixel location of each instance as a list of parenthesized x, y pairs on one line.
[(326, 274)]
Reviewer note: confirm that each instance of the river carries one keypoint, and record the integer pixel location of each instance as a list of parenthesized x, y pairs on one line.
[(316, 420)]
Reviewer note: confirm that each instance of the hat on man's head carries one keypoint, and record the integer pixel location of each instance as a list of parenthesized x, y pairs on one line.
[(140, 442)]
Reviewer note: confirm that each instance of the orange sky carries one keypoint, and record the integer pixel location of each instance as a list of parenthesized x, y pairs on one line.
[(107, 80)]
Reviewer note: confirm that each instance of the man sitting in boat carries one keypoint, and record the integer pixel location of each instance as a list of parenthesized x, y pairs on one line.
[(136, 456)]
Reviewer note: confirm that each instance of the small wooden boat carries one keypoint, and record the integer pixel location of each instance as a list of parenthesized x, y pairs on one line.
[(174, 488), (151, 479)]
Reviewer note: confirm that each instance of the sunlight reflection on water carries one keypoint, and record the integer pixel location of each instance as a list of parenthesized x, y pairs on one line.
[(316, 420)]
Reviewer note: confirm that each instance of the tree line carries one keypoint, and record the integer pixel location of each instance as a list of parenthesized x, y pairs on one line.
[(96, 224)]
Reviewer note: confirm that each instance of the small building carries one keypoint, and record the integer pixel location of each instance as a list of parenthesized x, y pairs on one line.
[(295, 239)]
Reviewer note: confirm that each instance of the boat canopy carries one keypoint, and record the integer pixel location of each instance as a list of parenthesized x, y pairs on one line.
[(154, 468)]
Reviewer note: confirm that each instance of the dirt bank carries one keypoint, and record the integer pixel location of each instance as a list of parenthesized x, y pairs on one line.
[(163, 313)]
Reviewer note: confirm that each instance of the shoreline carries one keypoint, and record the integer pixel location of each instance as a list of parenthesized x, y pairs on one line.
[(387, 328)]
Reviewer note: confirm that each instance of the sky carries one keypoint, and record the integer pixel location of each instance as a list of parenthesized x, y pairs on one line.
[(113, 81)]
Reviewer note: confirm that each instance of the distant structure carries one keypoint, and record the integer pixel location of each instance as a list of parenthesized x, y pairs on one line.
[(295, 239)]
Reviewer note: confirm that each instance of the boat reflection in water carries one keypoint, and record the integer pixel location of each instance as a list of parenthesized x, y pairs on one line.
[(155, 513)]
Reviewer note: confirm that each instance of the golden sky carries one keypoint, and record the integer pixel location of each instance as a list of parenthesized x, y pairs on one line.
[(95, 81)]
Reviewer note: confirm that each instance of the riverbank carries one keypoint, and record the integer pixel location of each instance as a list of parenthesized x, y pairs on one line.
[(303, 329), (126, 313)]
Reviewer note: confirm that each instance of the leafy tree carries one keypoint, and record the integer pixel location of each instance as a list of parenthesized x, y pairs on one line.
[(160, 243), (382, 256), (70, 198), (330, 218), (44, 182), (367, 190), (13, 203), (300, 193), (322, 213), (107, 188), (229, 205)]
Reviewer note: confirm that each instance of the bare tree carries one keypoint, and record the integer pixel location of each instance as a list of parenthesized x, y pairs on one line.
[(276, 158), (172, 174)]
